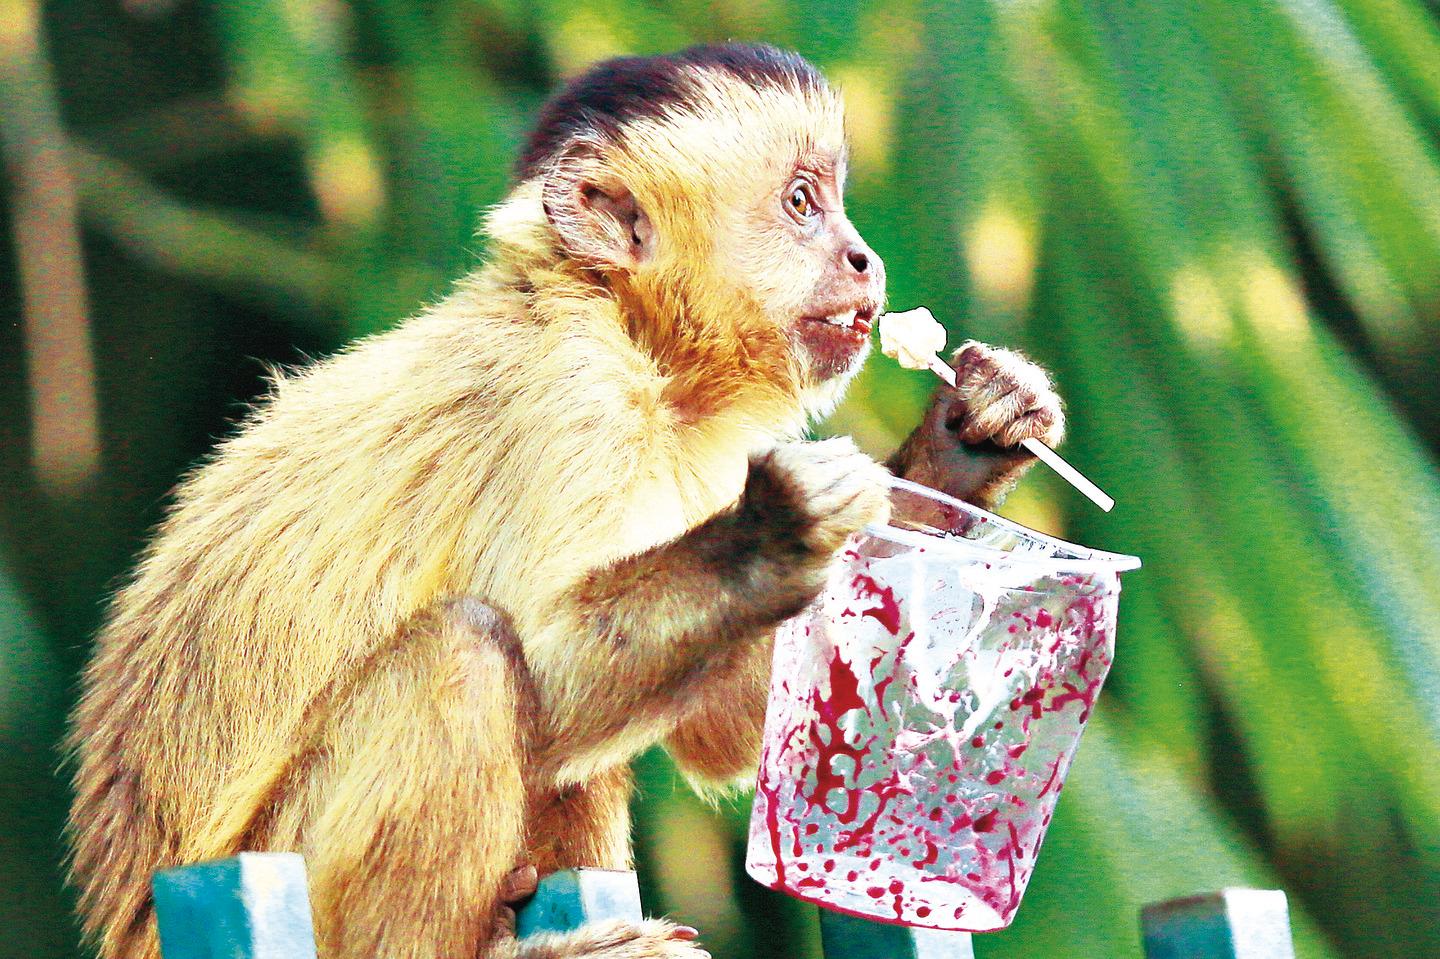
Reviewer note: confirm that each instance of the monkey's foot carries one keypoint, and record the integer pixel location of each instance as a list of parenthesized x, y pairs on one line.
[(521, 883), (616, 939)]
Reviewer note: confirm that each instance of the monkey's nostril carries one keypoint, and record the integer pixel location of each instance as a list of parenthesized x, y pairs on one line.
[(858, 260)]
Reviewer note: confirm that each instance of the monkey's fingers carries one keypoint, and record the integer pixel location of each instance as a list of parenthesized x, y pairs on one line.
[(616, 939), (1038, 422), (521, 883), (505, 924)]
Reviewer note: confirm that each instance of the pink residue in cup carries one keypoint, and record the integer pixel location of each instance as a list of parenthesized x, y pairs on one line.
[(912, 781)]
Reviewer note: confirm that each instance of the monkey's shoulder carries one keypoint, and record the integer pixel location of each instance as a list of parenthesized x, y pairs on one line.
[(472, 361)]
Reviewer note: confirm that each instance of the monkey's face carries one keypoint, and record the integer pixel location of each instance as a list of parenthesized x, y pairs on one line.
[(724, 220), (782, 245), (838, 279)]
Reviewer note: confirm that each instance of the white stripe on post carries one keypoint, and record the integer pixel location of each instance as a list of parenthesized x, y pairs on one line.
[(252, 906), (1229, 924)]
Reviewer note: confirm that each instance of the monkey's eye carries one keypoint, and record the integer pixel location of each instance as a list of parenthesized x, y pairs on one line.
[(800, 203)]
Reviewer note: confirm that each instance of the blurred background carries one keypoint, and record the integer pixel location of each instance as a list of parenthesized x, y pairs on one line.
[(1218, 222)]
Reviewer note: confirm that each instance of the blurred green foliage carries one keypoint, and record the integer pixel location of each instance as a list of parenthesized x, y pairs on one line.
[(1217, 222)]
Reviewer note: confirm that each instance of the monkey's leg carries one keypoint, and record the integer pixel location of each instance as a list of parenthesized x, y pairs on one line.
[(410, 807)]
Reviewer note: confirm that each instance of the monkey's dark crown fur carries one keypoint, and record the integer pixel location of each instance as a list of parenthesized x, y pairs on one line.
[(611, 94)]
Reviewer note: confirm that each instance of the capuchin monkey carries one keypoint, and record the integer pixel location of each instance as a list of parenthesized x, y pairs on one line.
[(416, 617)]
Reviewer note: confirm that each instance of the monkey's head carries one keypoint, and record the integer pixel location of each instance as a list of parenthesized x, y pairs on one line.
[(704, 189)]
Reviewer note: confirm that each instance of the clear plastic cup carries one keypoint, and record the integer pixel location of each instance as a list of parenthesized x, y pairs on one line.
[(923, 713)]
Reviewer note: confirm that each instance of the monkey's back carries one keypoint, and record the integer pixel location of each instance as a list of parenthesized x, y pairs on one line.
[(473, 450)]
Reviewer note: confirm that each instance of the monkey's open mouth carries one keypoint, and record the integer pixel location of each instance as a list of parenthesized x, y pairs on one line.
[(858, 321)]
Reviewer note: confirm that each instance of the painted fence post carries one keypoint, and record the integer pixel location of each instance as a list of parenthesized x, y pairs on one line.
[(252, 906), (570, 898), (1229, 924), (257, 906), (850, 937)]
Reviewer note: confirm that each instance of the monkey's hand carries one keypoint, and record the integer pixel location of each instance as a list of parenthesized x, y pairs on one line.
[(801, 501), (966, 444), (811, 496), (616, 939)]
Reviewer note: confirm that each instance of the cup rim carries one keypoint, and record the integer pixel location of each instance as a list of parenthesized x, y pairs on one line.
[(1084, 559)]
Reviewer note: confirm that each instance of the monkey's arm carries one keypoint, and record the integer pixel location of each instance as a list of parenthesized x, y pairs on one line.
[(965, 445), (961, 448), (717, 741), (641, 634)]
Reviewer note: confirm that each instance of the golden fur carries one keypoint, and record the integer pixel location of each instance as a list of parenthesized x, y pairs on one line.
[(416, 615), (516, 435)]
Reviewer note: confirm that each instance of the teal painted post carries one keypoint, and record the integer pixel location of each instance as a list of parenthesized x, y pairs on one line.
[(252, 906), (850, 937), (1229, 924), (570, 898), (257, 906)]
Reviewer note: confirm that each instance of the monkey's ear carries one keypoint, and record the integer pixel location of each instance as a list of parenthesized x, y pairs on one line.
[(597, 218)]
